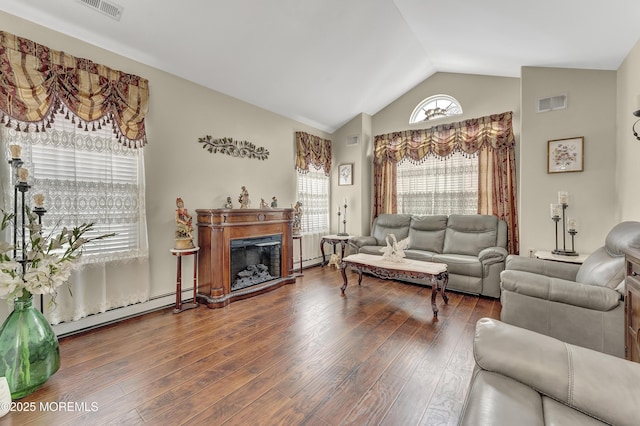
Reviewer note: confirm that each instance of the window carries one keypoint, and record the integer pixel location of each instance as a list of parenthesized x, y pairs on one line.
[(87, 177), (313, 193), (435, 107), (438, 186)]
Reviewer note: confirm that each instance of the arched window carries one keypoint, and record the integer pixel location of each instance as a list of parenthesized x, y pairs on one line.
[(435, 107)]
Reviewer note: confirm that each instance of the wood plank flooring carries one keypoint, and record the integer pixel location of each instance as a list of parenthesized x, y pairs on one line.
[(302, 354)]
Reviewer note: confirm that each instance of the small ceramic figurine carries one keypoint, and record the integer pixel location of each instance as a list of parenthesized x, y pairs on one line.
[(184, 226), (243, 199), (263, 204), (274, 202), (228, 204), (394, 251), (297, 217)]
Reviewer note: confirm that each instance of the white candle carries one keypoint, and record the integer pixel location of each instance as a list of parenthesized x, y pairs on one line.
[(15, 150), (572, 224), (555, 210), (38, 200), (345, 201), (23, 174), (563, 197)]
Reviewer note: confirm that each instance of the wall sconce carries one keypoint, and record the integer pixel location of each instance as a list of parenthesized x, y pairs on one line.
[(635, 133)]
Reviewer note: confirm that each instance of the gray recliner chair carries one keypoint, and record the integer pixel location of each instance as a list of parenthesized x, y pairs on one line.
[(579, 304)]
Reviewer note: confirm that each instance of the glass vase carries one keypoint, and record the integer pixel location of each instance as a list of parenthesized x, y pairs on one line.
[(29, 351)]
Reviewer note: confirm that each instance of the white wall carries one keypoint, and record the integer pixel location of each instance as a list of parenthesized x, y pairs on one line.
[(180, 112), (591, 113)]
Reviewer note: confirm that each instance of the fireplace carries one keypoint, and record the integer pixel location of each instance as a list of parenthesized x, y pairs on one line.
[(255, 260), (243, 253)]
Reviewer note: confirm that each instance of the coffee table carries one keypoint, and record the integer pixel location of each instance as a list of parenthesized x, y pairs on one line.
[(436, 273)]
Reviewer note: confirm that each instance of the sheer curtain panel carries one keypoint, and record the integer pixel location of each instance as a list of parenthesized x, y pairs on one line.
[(88, 177)]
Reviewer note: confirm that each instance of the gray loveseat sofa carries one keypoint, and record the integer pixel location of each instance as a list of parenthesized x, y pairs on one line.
[(474, 247), (525, 378)]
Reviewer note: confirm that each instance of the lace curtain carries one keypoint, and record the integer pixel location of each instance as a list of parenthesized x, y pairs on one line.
[(312, 150), (490, 137), (37, 82), (438, 187), (90, 177)]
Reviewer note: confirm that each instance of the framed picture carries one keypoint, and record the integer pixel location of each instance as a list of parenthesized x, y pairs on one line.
[(345, 174), (565, 155)]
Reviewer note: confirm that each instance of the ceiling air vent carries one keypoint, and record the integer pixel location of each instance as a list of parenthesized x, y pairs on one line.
[(552, 103), (105, 7)]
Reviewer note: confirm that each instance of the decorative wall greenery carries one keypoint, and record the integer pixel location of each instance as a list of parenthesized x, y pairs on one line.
[(233, 148)]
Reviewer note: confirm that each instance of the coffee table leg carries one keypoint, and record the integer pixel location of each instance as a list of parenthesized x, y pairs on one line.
[(343, 271), (445, 281), (434, 291)]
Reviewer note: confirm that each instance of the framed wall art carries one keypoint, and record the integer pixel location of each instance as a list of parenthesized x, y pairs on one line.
[(345, 174), (565, 155)]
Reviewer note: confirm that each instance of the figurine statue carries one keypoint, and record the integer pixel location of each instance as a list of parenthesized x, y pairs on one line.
[(274, 202), (184, 226), (297, 217), (228, 204), (243, 199), (263, 204), (394, 251)]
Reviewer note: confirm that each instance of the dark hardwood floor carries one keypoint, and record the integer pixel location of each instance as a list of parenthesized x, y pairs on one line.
[(302, 354)]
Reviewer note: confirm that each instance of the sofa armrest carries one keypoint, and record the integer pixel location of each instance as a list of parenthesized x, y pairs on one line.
[(595, 383), (550, 268), (492, 255), (363, 241), (559, 290)]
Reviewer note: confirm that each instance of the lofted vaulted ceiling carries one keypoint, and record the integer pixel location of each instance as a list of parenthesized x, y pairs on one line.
[(322, 62)]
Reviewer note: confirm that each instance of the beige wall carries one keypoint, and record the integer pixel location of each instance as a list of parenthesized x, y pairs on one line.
[(358, 195), (478, 95), (590, 113), (628, 147), (176, 166)]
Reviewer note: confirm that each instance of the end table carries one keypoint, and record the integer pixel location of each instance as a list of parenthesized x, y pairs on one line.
[(179, 253)]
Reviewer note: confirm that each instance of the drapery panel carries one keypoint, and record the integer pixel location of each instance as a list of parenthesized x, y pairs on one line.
[(312, 150), (490, 136), (37, 82)]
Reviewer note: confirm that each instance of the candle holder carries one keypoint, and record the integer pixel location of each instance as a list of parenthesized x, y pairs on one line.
[(344, 233), (572, 232)]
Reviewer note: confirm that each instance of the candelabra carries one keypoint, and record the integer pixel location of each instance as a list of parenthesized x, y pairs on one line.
[(555, 216), (344, 220), (20, 188)]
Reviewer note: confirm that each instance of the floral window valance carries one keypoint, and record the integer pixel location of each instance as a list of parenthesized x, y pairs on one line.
[(493, 132), (37, 82), (314, 150)]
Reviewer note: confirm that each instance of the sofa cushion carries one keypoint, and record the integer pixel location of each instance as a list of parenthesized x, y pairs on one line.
[(601, 269), (460, 264), (427, 233), (469, 234), (397, 224), (494, 399)]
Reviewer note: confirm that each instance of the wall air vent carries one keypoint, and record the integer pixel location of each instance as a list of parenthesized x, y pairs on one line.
[(352, 140), (552, 103), (105, 7)]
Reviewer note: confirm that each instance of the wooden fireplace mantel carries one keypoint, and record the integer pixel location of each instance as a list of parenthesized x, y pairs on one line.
[(217, 228)]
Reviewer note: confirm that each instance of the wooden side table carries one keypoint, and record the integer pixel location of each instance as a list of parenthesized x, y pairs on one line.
[(334, 240), (179, 253), (299, 238), (632, 306)]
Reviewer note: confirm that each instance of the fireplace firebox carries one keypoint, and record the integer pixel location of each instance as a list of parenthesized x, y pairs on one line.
[(243, 252), (255, 260)]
